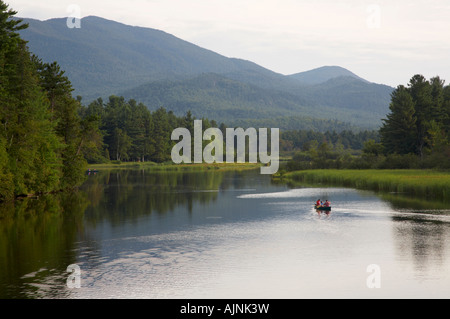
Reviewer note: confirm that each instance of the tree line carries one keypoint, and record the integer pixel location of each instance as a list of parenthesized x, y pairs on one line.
[(415, 134), (419, 119), (129, 131), (297, 140), (42, 136)]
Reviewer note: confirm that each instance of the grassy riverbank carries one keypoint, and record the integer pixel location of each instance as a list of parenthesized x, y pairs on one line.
[(430, 184), (173, 167)]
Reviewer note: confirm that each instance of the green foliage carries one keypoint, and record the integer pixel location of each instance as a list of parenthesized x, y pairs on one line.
[(327, 106), (40, 128), (415, 134), (127, 131), (422, 183), (373, 148), (399, 131), (64, 111), (419, 118), (346, 139), (6, 177)]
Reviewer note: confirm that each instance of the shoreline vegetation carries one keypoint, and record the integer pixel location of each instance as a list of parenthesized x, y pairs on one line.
[(426, 184), (171, 166), (154, 167)]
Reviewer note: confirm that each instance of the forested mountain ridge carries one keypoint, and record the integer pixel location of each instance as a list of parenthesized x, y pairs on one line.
[(216, 96), (104, 58), (323, 74)]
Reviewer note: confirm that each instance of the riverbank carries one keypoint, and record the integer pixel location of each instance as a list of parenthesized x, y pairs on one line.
[(429, 184), (172, 167)]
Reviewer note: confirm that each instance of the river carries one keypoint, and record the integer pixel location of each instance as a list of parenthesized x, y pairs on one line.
[(221, 234)]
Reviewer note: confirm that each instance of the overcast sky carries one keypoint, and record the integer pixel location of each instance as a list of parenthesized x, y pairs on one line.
[(382, 41)]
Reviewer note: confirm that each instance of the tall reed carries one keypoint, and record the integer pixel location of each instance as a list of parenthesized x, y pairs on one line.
[(429, 184)]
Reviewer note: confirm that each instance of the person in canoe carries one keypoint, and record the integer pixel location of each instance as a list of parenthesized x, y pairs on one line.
[(318, 203), (327, 203)]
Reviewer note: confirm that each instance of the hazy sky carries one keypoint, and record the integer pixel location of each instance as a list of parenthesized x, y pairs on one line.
[(382, 41)]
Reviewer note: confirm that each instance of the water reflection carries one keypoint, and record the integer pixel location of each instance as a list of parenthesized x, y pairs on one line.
[(423, 239), (421, 231), (37, 237), (138, 233), (135, 192)]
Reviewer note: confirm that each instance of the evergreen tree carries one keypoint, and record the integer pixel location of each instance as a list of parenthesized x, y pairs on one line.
[(161, 134), (30, 148), (446, 111), (420, 90), (398, 133), (64, 111), (6, 177), (111, 122), (41, 134), (419, 118), (91, 144)]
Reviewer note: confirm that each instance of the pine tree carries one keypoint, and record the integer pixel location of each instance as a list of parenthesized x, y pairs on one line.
[(421, 93), (398, 133), (111, 122), (419, 118), (41, 134), (6, 177), (138, 131), (161, 135), (64, 111), (30, 142), (446, 111)]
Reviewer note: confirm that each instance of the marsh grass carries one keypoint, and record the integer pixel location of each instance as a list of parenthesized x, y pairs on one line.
[(429, 184)]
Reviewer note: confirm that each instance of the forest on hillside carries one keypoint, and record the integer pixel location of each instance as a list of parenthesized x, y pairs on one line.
[(129, 131), (336, 104), (415, 133)]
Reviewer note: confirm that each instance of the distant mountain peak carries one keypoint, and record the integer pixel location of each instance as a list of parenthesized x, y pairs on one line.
[(324, 74), (105, 57)]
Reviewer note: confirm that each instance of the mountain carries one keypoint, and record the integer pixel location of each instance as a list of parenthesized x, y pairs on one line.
[(348, 92), (216, 96), (323, 74), (213, 95), (104, 58)]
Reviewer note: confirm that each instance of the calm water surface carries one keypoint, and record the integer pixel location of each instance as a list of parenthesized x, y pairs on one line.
[(141, 234)]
